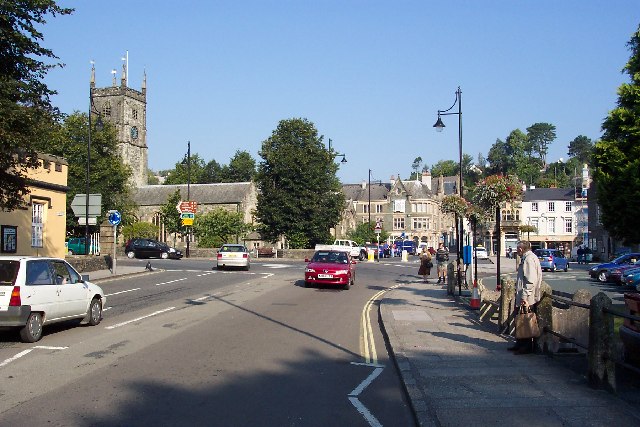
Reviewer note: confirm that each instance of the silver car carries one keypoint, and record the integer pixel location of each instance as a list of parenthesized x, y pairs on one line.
[(233, 255)]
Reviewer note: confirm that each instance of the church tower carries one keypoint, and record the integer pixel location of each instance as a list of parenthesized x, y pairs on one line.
[(126, 109)]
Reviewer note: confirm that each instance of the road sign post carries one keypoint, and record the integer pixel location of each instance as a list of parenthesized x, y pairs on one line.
[(114, 219)]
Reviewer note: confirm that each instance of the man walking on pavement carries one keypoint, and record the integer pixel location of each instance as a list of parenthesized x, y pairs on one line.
[(528, 283), (442, 256)]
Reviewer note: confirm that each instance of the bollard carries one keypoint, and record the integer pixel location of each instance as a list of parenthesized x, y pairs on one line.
[(600, 355)]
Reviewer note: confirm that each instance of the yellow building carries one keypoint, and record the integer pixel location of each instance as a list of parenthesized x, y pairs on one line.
[(39, 228)]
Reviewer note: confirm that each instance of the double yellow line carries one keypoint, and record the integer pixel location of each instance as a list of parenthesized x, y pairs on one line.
[(367, 342)]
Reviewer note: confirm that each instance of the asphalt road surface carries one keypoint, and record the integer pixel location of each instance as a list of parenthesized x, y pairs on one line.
[(188, 345)]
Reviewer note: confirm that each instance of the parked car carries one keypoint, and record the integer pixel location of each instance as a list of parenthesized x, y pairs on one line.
[(375, 249), (233, 255), (481, 252), (335, 268), (75, 246), (552, 259), (632, 279), (600, 271), (616, 274), (37, 291), (150, 248)]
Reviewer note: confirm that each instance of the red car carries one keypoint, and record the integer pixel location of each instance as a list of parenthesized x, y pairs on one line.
[(328, 267)]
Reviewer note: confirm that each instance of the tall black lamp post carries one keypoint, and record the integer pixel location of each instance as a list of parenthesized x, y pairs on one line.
[(188, 192), (344, 159), (92, 110), (459, 221)]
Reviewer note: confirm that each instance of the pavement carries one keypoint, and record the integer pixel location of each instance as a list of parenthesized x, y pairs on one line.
[(457, 370)]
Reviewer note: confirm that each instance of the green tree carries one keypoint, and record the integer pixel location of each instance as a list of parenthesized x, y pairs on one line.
[(108, 175), (186, 171), (142, 229), (242, 168), (26, 113), (581, 148), (364, 233), (171, 217), (540, 135), (444, 168), (212, 173), (218, 227), (417, 162), (300, 196), (616, 158)]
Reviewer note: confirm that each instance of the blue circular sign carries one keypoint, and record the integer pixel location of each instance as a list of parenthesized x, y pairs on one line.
[(115, 218)]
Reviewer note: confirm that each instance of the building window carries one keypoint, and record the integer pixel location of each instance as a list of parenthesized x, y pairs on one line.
[(420, 224), (568, 206), (534, 206), (378, 208), (399, 205), (365, 208), (551, 226), (37, 224), (535, 223), (568, 226), (552, 206), (58, 167), (106, 109), (398, 223), (134, 114)]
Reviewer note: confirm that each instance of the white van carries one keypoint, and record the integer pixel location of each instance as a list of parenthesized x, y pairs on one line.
[(36, 291)]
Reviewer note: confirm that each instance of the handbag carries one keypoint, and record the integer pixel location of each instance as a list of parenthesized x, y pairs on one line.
[(429, 264), (527, 324)]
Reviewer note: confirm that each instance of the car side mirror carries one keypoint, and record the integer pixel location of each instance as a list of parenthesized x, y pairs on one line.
[(85, 277), (306, 260)]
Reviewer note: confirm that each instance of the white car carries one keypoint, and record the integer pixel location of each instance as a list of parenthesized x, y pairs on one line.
[(233, 255), (481, 252), (36, 291)]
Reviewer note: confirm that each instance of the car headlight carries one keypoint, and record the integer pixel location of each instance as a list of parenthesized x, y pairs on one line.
[(342, 271), (309, 270), (594, 269), (172, 249)]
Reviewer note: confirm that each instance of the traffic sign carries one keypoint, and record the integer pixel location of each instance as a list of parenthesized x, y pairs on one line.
[(79, 205), (187, 206), (114, 218), (187, 215), (187, 221)]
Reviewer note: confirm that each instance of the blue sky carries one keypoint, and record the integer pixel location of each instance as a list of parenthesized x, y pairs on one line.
[(370, 75)]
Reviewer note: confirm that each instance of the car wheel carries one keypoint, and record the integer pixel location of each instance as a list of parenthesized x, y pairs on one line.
[(362, 256), (164, 255), (566, 267), (602, 276), (131, 254), (32, 331), (347, 286), (95, 312), (554, 268), (247, 267)]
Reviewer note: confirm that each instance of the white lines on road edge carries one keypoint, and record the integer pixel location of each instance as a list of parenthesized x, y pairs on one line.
[(117, 325), (27, 351), (171, 281), (122, 292), (353, 396)]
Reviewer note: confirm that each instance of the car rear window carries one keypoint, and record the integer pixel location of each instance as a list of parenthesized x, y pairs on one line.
[(230, 248), (8, 272), (540, 252)]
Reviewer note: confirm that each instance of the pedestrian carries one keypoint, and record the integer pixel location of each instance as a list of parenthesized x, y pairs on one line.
[(509, 252), (528, 281), (425, 264), (442, 257), (580, 254)]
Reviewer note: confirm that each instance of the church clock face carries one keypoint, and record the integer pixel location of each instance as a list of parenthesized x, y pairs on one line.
[(134, 132)]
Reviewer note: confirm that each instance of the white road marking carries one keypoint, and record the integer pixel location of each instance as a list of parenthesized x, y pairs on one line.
[(206, 274), (267, 265), (27, 351), (117, 325), (365, 412), (122, 292), (353, 396), (364, 384), (171, 281)]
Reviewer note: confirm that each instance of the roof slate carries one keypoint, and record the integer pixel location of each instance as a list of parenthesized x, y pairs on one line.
[(544, 194), (220, 193)]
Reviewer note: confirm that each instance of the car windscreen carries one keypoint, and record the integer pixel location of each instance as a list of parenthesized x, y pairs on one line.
[(8, 272), (330, 257)]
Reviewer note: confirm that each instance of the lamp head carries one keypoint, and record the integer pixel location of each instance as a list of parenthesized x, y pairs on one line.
[(99, 124), (344, 159), (439, 124)]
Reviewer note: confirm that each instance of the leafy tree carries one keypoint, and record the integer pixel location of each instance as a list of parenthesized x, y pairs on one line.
[(218, 227), (300, 196), (528, 228), (26, 113), (616, 157), (501, 158), (108, 175), (540, 135), (152, 179), (212, 173), (581, 148), (242, 168), (141, 229), (171, 217), (416, 166), (185, 172), (444, 168), (364, 233)]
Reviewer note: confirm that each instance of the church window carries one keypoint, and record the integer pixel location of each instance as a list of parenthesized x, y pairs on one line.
[(106, 109), (134, 114)]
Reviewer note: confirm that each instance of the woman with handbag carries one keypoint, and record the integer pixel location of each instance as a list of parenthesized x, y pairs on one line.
[(425, 264), (528, 284)]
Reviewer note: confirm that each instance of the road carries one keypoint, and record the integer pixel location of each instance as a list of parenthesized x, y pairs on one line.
[(190, 345)]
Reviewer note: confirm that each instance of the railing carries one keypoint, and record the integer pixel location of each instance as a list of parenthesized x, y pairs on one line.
[(602, 360)]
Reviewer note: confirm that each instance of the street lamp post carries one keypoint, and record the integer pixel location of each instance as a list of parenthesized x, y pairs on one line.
[(92, 110), (439, 126), (344, 159), (188, 191)]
